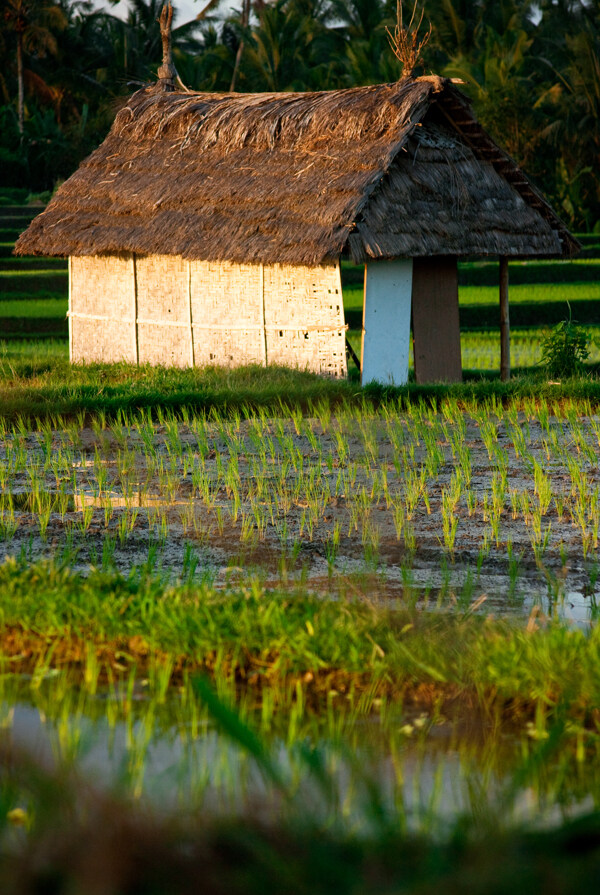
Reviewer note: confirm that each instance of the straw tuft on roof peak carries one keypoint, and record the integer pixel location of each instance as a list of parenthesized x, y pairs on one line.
[(168, 77), (405, 42), (167, 71)]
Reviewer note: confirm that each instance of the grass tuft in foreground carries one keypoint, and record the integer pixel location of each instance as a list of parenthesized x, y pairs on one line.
[(285, 640)]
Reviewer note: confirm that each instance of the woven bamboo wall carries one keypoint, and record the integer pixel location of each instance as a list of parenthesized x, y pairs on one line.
[(304, 317), (238, 314), (102, 309), (227, 313), (163, 309)]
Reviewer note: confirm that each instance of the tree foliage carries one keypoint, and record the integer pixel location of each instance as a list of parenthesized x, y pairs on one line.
[(532, 70)]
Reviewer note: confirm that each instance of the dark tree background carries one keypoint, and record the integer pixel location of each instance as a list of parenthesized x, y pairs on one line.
[(532, 70)]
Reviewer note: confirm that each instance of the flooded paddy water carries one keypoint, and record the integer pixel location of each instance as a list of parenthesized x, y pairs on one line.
[(505, 507), (422, 770), (486, 512)]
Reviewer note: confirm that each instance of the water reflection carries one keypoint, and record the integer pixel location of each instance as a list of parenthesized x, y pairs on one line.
[(427, 781)]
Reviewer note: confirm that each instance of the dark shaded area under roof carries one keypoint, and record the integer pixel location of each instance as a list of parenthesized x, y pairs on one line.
[(392, 170)]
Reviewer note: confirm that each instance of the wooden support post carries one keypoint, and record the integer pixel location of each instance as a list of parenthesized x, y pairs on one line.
[(264, 315), (436, 320), (504, 321)]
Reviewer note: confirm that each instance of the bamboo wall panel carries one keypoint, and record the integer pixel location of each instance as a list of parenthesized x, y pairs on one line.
[(239, 314), (102, 318), (164, 335), (304, 317), (227, 311)]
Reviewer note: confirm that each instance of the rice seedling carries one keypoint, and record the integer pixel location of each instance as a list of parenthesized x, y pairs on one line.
[(8, 523), (332, 546), (450, 499), (370, 539), (539, 535), (84, 519)]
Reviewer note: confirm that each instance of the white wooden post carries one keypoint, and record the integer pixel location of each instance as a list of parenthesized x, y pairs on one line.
[(386, 322)]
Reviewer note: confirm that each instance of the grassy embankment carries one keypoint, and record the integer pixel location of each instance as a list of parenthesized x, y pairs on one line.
[(100, 626), (37, 381)]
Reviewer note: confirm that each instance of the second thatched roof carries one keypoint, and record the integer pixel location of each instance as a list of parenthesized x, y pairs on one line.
[(380, 172)]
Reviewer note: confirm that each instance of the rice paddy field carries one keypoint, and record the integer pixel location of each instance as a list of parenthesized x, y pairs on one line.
[(284, 634)]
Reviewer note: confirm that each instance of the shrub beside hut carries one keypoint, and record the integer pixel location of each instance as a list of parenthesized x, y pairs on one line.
[(209, 228)]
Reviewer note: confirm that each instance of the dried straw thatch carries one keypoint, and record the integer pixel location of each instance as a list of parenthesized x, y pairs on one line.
[(299, 178)]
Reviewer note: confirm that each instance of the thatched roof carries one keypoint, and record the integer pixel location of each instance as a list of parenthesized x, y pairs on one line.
[(392, 170)]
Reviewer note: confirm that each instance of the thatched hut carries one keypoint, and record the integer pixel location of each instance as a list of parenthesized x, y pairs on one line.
[(209, 228)]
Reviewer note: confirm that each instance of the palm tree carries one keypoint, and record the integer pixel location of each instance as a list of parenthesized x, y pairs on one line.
[(361, 27), (573, 100), (33, 23), (287, 46), (501, 85)]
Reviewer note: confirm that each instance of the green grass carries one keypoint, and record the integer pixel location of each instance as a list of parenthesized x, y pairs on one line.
[(43, 307), (485, 273), (47, 385), (531, 292), (283, 635), (30, 276), (43, 383), (488, 295), (33, 282), (32, 355), (30, 296), (17, 263)]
